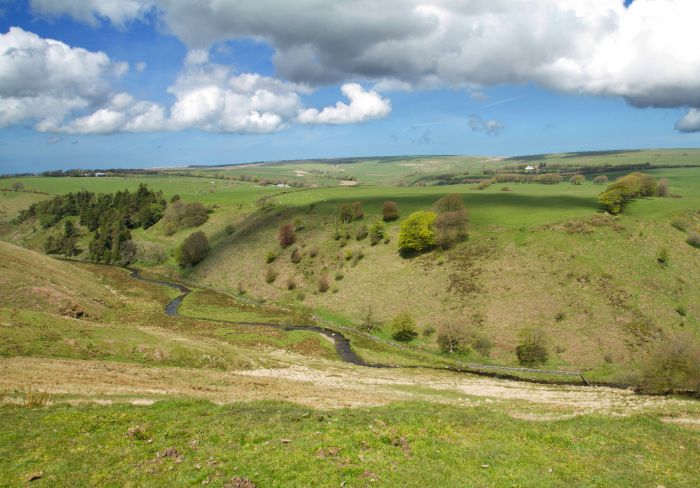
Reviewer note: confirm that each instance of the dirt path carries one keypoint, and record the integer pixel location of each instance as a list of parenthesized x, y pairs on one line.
[(322, 384)]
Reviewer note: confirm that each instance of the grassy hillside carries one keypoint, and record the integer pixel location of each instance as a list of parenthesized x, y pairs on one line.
[(538, 256)]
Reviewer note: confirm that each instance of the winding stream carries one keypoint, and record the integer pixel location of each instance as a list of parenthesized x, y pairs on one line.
[(342, 344)]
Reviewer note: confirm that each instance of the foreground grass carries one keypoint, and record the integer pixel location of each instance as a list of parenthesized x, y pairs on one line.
[(280, 444)]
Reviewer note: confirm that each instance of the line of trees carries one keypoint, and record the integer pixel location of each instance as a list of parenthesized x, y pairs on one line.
[(625, 189)]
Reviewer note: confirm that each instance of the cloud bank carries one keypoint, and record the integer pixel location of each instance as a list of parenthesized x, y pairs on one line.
[(645, 53)]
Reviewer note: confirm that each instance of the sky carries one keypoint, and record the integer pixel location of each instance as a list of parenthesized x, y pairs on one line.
[(149, 83)]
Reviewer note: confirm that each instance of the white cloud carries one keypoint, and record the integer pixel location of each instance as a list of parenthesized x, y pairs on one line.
[(364, 105), (690, 122), (47, 80), (646, 53)]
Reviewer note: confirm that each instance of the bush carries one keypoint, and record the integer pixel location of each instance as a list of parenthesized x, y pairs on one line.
[(600, 180), (682, 310), (480, 342), (662, 189), (230, 229), (296, 256), (286, 236), (390, 211), (180, 215), (150, 253), (674, 366), (361, 233), (376, 233), (532, 348), (351, 211), (417, 232), (270, 257), (693, 239), (452, 338), (313, 252), (451, 220), (577, 180), (339, 275), (624, 189), (403, 327), (270, 275), (291, 284), (505, 188), (323, 284), (193, 249)]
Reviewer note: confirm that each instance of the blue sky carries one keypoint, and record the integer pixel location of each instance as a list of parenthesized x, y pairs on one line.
[(478, 106)]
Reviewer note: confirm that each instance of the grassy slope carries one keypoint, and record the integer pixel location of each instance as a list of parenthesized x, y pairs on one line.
[(282, 445), (537, 255)]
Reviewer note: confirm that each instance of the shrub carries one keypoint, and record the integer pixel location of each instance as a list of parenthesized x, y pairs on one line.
[(679, 224), (532, 349), (270, 275), (417, 232), (682, 310), (230, 229), (296, 256), (403, 327), (351, 211), (313, 252), (150, 253), (390, 211), (662, 257), (361, 233), (693, 239), (193, 249), (270, 257), (17, 186), (376, 233), (600, 180), (175, 198), (484, 184), (428, 331), (323, 284), (624, 189), (181, 215), (452, 338), (451, 220), (674, 366), (505, 188), (128, 252), (480, 342), (662, 188), (291, 284), (577, 180), (286, 236)]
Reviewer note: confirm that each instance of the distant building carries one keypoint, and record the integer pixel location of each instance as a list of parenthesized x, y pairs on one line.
[(282, 185), (529, 169), (100, 174)]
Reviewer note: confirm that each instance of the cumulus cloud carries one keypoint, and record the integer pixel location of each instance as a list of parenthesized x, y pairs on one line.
[(690, 122), (364, 105), (490, 127), (645, 53), (47, 80)]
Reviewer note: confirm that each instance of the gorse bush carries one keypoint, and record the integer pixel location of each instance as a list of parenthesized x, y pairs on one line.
[(532, 348), (193, 249), (403, 327), (270, 275), (296, 256), (417, 232), (624, 189), (376, 233), (323, 284)]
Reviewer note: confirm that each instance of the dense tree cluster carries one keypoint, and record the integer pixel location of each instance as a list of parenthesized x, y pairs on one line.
[(110, 216), (626, 188), (390, 211)]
